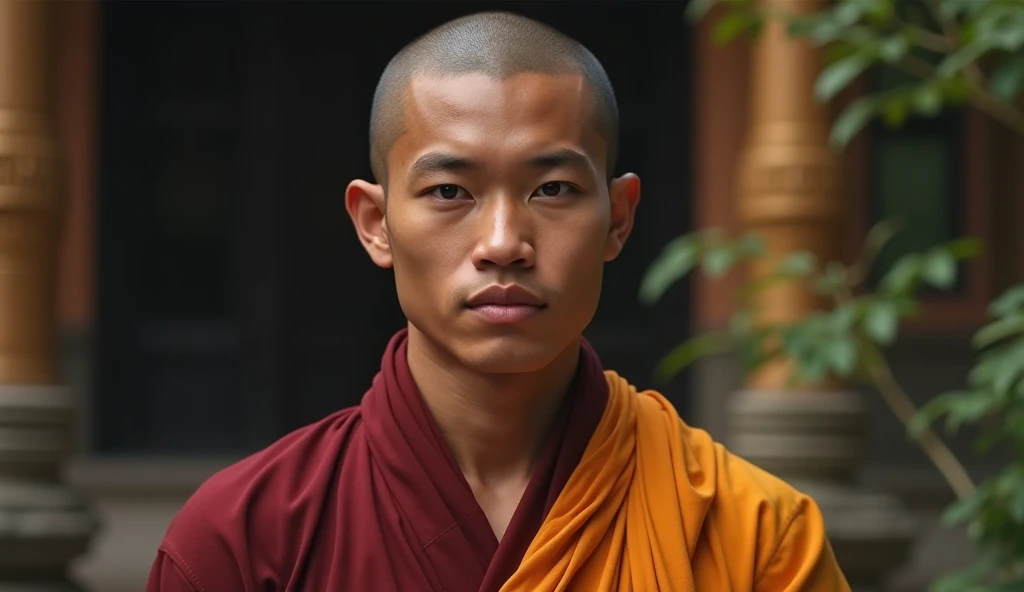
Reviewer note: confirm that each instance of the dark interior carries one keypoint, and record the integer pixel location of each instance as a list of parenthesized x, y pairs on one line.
[(235, 301)]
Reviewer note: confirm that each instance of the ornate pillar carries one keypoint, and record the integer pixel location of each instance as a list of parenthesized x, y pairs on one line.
[(790, 194), (43, 523)]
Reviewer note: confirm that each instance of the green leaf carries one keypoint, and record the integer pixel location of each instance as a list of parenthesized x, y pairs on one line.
[(848, 13), (968, 407), (839, 75), (963, 510), (986, 441), (1016, 501), (800, 264), (929, 413), (718, 261), (950, 9), (799, 26), (825, 30), (844, 317), (852, 120), (677, 259), (732, 25), (927, 100), (750, 245), (688, 352), (881, 322), (940, 269), (892, 49), (1003, 27), (842, 356), (1008, 79), (896, 108), (1009, 302), (965, 56), (955, 91), (963, 248), (999, 330), (904, 275), (1009, 368)]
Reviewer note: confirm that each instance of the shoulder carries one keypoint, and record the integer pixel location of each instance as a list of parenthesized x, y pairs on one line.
[(739, 481), (245, 519), (752, 509)]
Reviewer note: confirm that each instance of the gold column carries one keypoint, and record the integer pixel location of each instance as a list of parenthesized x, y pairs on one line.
[(789, 177), (43, 524), (790, 194)]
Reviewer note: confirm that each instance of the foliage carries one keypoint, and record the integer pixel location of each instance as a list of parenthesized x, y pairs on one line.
[(919, 58), (995, 390), (838, 340), (945, 52), (846, 339)]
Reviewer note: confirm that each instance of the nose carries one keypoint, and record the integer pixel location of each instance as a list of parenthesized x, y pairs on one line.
[(505, 236)]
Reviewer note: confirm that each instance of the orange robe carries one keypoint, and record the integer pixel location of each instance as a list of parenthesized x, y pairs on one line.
[(657, 505)]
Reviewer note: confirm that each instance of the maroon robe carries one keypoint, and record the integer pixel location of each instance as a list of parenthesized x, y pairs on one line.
[(367, 499)]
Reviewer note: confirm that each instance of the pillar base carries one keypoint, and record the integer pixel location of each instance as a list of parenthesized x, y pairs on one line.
[(44, 524), (55, 586), (814, 440)]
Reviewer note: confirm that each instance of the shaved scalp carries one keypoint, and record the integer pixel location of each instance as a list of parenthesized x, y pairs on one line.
[(496, 44)]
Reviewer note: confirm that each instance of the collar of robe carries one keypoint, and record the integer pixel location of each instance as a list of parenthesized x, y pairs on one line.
[(459, 551)]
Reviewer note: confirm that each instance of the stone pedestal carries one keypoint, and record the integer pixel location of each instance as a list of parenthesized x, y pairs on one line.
[(44, 525), (814, 440)]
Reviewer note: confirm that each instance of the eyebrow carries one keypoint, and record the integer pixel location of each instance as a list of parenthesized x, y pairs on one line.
[(433, 162), (563, 157)]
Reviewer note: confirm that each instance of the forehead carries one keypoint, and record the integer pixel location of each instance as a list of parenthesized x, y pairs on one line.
[(492, 118)]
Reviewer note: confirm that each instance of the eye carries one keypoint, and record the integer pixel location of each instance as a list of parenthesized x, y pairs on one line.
[(554, 189), (448, 192)]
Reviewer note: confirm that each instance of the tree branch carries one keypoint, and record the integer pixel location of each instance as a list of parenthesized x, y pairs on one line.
[(999, 110), (904, 409), (984, 100), (879, 235)]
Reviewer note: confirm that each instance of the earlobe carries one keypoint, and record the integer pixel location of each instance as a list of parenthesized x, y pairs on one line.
[(364, 202), (624, 193)]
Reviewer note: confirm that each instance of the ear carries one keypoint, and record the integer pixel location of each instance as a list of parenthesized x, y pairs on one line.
[(624, 192), (364, 202)]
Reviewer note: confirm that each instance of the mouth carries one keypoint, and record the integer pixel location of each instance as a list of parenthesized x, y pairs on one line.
[(505, 304)]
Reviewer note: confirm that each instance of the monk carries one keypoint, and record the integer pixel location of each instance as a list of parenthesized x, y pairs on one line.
[(492, 452)]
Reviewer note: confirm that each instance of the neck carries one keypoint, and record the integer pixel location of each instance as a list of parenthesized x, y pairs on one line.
[(495, 424)]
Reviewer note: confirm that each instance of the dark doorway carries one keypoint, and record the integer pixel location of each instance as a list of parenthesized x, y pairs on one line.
[(235, 301)]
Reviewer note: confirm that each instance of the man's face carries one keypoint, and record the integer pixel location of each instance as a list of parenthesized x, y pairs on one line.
[(499, 216)]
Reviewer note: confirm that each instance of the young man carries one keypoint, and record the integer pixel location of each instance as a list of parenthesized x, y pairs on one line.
[(492, 452)]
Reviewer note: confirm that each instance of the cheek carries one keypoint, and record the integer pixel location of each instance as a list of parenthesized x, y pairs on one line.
[(426, 255), (578, 249)]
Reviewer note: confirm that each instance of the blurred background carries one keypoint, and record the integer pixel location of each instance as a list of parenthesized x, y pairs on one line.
[(211, 295)]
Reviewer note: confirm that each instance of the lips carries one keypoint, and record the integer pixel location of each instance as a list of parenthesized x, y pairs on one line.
[(505, 305), (511, 295)]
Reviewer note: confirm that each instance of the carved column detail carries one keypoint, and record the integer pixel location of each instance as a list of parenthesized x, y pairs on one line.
[(790, 194), (44, 525)]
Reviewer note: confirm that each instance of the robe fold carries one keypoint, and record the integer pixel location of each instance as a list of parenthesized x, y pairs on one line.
[(369, 498), (657, 505), (625, 496)]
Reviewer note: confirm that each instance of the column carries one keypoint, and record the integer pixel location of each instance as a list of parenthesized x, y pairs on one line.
[(44, 524), (790, 194)]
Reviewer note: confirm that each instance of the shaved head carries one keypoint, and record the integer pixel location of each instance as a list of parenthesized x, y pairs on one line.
[(499, 45)]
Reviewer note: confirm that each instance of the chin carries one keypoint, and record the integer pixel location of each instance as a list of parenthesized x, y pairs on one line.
[(505, 354)]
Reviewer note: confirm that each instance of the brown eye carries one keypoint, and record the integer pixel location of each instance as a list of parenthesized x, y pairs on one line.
[(551, 189), (448, 191)]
